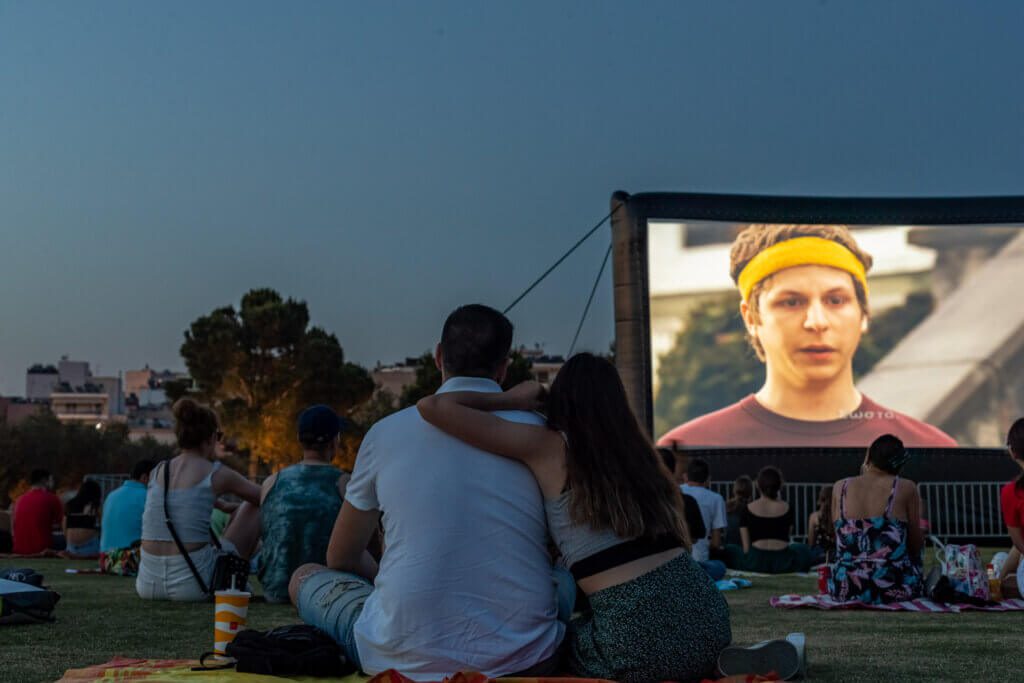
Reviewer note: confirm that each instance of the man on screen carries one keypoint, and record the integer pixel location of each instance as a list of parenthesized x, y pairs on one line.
[(805, 306)]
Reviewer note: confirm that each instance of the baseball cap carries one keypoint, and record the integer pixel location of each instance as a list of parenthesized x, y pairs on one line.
[(319, 425)]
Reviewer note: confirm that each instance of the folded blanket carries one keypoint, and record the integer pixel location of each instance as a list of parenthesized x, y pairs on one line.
[(826, 602)]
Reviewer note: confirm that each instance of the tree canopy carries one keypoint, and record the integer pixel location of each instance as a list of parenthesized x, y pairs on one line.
[(261, 365)]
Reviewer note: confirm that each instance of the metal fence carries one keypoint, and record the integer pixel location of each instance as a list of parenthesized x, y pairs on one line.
[(107, 482), (957, 509)]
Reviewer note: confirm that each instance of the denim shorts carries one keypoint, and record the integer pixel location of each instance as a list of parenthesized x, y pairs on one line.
[(332, 601)]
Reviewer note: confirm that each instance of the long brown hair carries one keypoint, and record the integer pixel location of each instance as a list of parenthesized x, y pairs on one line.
[(825, 507), (742, 493), (616, 479), (1015, 443)]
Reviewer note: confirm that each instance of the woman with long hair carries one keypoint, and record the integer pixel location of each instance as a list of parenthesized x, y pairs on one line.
[(1012, 499), (742, 494), (615, 515), (193, 480), (821, 532), (81, 521), (878, 531)]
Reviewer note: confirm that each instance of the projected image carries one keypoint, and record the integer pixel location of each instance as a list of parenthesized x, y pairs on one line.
[(828, 335)]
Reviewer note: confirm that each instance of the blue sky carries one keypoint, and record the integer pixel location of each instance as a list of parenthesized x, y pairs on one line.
[(387, 161)]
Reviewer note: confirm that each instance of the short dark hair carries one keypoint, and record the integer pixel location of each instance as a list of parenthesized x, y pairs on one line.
[(142, 468), (769, 482), (888, 454), (475, 341), (697, 470), (38, 476)]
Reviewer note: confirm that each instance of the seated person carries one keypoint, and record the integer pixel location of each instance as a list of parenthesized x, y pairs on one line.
[(193, 481), (742, 494), (712, 510), (1012, 501), (6, 540), (300, 503), (121, 523), (765, 529), (821, 531), (465, 581), (804, 303), (694, 519), (81, 528), (35, 514), (878, 538)]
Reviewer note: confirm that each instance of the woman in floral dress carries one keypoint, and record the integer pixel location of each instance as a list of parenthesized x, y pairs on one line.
[(878, 534)]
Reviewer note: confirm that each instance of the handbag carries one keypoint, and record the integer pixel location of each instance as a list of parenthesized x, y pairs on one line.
[(298, 650), (961, 564), (230, 570)]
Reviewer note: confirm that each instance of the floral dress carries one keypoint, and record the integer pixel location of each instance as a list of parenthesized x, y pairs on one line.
[(872, 563)]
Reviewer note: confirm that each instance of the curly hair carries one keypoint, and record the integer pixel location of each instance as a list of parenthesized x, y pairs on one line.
[(757, 237)]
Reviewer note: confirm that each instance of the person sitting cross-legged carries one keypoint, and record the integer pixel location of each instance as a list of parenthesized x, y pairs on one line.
[(878, 535), (299, 504), (766, 525), (465, 582)]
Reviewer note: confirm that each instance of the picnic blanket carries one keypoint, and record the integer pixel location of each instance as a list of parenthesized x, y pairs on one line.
[(826, 602), (152, 670)]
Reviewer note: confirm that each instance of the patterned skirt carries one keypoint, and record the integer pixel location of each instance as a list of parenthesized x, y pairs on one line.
[(669, 624)]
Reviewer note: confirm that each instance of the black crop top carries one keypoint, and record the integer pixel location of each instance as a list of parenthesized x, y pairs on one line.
[(764, 528), (80, 520)]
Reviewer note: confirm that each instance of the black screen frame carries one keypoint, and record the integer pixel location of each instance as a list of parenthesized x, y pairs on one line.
[(630, 215)]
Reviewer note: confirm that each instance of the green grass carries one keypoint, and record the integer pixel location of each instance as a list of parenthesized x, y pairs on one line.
[(99, 617)]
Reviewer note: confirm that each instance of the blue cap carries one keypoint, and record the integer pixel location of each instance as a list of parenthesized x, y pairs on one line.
[(319, 425)]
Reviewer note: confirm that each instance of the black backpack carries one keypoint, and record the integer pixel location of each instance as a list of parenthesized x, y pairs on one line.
[(298, 650)]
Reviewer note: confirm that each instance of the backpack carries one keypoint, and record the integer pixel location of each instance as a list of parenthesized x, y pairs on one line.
[(298, 650), (24, 603)]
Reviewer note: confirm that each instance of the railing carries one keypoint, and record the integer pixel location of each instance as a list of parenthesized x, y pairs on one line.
[(956, 509), (107, 482), (963, 509)]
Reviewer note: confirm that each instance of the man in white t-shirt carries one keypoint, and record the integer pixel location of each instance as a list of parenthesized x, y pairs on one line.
[(465, 581), (712, 511)]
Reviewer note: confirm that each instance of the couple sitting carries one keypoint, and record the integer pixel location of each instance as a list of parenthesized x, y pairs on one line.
[(468, 485)]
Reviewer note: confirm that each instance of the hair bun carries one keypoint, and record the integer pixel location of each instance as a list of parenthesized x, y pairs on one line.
[(185, 409)]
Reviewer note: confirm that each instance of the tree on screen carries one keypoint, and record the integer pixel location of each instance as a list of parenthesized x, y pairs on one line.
[(261, 365), (711, 365)]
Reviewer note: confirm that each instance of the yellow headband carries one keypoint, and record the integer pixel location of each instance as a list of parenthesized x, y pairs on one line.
[(800, 251)]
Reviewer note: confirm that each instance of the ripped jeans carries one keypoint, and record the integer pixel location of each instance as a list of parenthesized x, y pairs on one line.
[(332, 601)]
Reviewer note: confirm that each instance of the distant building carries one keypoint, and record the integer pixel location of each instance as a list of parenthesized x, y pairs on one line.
[(14, 410), (73, 393), (543, 366), (40, 381), (394, 378)]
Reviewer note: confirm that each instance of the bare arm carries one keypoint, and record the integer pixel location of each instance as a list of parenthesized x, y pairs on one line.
[(352, 532), (915, 537), (812, 529), (228, 480), (716, 538), (1018, 538), (466, 415), (745, 538)]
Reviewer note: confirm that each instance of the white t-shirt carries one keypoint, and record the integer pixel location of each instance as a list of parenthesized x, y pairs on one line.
[(465, 582), (712, 511)]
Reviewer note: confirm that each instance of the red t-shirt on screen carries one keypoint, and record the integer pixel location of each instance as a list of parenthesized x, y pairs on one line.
[(749, 424), (1012, 499), (35, 513)]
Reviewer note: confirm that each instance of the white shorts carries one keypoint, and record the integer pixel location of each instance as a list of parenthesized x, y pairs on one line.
[(168, 577)]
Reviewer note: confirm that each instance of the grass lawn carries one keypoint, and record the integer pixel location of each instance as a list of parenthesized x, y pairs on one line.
[(99, 617)]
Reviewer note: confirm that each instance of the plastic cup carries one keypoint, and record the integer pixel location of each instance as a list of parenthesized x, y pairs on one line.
[(824, 572), (230, 611)]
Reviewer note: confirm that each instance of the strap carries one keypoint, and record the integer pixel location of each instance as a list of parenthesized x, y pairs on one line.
[(174, 533), (892, 497), (203, 666), (842, 500)]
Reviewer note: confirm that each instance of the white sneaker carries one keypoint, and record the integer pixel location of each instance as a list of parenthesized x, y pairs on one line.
[(799, 641), (771, 656)]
